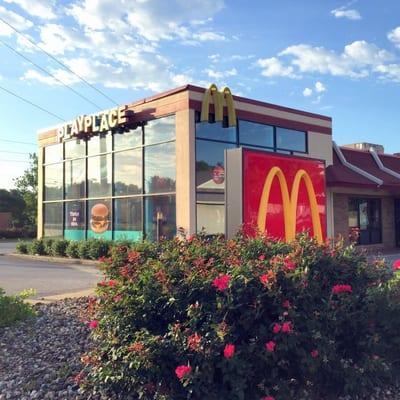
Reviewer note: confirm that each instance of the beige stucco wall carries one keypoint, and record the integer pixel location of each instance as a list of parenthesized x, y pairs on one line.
[(40, 193)]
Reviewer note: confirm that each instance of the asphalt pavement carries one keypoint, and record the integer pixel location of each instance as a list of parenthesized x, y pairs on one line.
[(47, 278)]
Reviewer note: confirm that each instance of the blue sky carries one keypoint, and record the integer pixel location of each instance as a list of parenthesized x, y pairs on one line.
[(336, 58)]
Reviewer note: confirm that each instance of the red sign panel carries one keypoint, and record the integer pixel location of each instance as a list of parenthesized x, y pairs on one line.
[(284, 195)]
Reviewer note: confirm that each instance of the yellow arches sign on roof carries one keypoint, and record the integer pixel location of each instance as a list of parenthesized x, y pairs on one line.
[(218, 99)]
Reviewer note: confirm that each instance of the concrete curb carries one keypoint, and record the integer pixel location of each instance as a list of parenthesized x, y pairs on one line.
[(62, 260), (62, 296)]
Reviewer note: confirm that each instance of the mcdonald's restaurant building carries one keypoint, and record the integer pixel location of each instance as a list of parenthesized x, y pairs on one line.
[(194, 159)]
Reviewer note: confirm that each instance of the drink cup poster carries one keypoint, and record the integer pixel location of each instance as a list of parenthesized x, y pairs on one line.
[(284, 195)]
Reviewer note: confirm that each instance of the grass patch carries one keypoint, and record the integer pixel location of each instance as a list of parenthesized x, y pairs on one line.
[(13, 308)]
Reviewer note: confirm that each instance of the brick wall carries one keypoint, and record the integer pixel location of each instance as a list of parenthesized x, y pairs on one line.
[(340, 216), (5, 220)]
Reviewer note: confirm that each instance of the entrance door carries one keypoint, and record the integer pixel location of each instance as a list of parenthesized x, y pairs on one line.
[(397, 220)]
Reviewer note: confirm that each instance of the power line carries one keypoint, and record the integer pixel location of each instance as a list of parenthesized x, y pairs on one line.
[(32, 104), (16, 141), (59, 62), (50, 74)]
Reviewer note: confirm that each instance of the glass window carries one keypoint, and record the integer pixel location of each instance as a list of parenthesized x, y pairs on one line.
[(256, 134), (289, 139), (210, 174), (99, 144), (53, 219), (75, 220), (159, 130), (211, 218), (128, 219), (75, 172), (53, 153), (160, 217), (125, 140), (99, 219), (128, 172), (365, 214), (216, 131), (53, 182), (160, 168), (75, 149), (99, 176)]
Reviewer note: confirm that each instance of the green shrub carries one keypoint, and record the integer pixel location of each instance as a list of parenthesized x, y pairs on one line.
[(13, 308), (22, 247), (36, 247), (47, 246), (97, 248), (59, 247), (84, 249), (243, 319), (72, 249)]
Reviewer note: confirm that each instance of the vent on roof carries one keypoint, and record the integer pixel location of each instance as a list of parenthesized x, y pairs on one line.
[(366, 147)]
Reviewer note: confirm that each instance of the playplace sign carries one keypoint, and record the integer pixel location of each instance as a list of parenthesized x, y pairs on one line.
[(85, 125), (281, 195)]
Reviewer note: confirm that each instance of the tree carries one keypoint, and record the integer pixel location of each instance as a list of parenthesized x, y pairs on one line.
[(11, 201), (27, 186)]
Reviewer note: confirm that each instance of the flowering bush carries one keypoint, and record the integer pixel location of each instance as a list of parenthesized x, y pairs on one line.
[(247, 318)]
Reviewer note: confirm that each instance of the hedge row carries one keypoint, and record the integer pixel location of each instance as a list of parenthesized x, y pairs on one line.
[(17, 233), (91, 249), (247, 318)]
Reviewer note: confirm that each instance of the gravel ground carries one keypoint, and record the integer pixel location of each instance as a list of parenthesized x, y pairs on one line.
[(40, 357)]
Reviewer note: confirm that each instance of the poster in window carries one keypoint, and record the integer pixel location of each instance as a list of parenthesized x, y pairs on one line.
[(99, 218), (363, 215)]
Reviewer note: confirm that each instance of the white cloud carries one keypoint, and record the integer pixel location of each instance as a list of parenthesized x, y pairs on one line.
[(209, 37), (274, 67), (389, 72), (307, 92), (353, 61), (394, 36), (36, 8), (18, 22), (214, 57), (320, 87), (343, 12), (220, 74)]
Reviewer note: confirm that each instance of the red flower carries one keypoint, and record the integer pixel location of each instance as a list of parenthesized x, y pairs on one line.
[(102, 283), (396, 265), (314, 353), (93, 324), (289, 264), (276, 328), (133, 256), (270, 346), (341, 289), (268, 398), (194, 341), (136, 347), (287, 327), (262, 257), (264, 279), (286, 304), (229, 350), (182, 370), (222, 282), (112, 283)]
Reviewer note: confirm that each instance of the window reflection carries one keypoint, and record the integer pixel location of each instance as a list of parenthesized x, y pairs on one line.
[(53, 220), (75, 149), (210, 218), (160, 168), (75, 178), (53, 153), (159, 130), (160, 217), (128, 172), (128, 219), (99, 144), (99, 176), (256, 134), (125, 140), (53, 182), (289, 139), (216, 131)]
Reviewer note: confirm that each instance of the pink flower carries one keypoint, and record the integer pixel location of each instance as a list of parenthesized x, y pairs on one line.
[(289, 264), (268, 398), (182, 370), (287, 327), (93, 324), (262, 257), (314, 353), (270, 346), (117, 298), (286, 304), (341, 289), (229, 350), (264, 279), (276, 328), (222, 282), (396, 265)]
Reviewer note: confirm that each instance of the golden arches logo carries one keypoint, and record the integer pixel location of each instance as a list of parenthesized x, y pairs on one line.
[(290, 203), (218, 99)]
